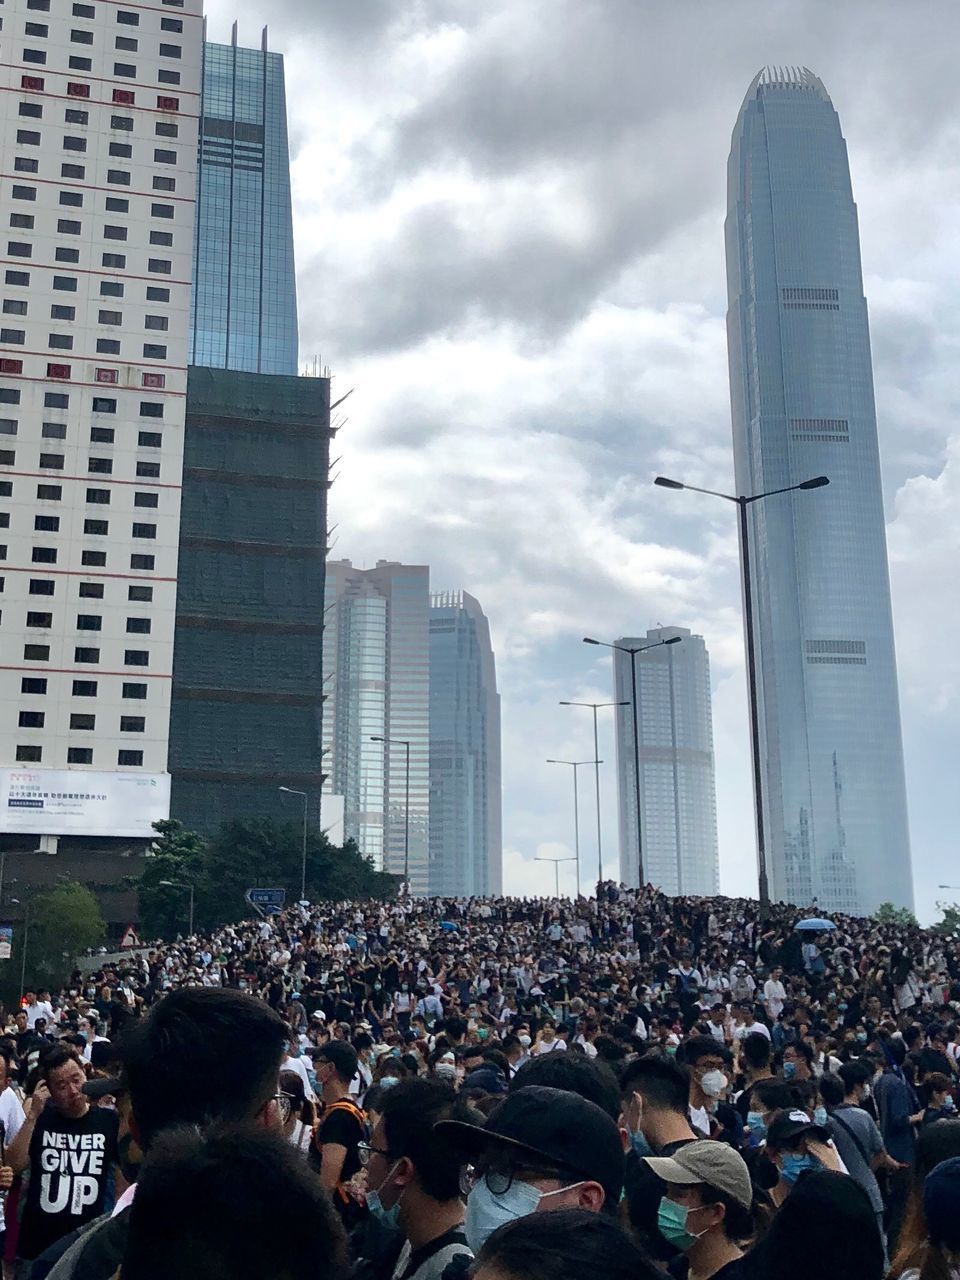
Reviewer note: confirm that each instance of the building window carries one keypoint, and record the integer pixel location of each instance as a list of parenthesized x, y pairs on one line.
[(104, 466), (29, 755), (72, 198), (107, 347), (12, 337), (49, 492), (136, 658), (164, 157), (66, 284), (170, 51), (33, 684), (133, 690), (17, 277), (102, 405), (84, 688), (111, 347), (58, 371), (157, 293), (74, 144), (51, 461), (126, 18), (144, 530), (76, 63), (156, 210), (75, 172), (32, 719), (151, 409), (94, 559), (79, 755), (99, 497), (140, 593), (84, 11), (54, 431), (111, 289), (114, 260), (110, 317), (28, 138), (43, 621), (138, 626), (168, 77), (120, 178), (33, 83), (102, 435), (8, 365), (159, 184), (23, 164), (46, 524), (165, 103), (36, 653), (76, 90), (142, 562), (154, 351), (34, 55), (125, 69), (31, 109), (67, 227), (121, 122), (161, 323), (127, 44), (162, 266), (114, 233), (84, 654), (83, 720), (171, 24), (25, 193), (124, 97), (41, 587), (131, 724), (162, 238), (23, 221), (60, 341), (96, 526), (129, 757), (44, 555), (165, 130), (89, 621), (148, 470), (153, 380), (18, 249)]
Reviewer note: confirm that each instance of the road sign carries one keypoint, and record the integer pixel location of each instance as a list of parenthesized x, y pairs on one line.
[(6, 941), (267, 901)]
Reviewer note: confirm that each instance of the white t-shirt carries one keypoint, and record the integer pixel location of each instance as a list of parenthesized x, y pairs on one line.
[(12, 1118), (774, 994), (589, 1049), (42, 1009), (543, 1047), (300, 1067)]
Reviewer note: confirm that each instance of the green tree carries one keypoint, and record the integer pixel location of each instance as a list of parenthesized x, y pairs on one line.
[(61, 924), (887, 913), (177, 858), (949, 926)]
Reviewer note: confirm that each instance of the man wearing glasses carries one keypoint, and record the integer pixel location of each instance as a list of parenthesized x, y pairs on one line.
[(542, 1149), (413, 1179)]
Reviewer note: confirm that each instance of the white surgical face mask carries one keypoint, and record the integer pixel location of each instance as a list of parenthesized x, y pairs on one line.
[(486, 1211), (714, 1083)]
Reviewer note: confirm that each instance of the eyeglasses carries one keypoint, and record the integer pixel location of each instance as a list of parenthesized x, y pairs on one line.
[(284, 1103), (366, 1149), (500, 1179)]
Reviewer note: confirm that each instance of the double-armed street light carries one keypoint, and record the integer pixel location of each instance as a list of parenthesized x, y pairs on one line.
[(597, 762), (292, 791), (634, 651), (575, 765), (742, 502)]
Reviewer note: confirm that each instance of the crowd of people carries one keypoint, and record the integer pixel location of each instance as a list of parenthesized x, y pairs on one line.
[(425, 1089)]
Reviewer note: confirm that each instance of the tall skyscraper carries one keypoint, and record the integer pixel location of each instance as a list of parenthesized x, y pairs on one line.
[(244, 312), (98, 123), (678, 806), (247, 682), (466, 842), (801, 387), (377, 685)]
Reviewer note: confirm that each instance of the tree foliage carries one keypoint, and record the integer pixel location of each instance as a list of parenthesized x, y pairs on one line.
[(61, 924), (246, 853), (887, 913), (949, 926)]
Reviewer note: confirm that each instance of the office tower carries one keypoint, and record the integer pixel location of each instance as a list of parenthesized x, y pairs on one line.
[(466, 844), (678, 806), (99, 123), (377, 685), (244, 313), (247, 682), (801, 387)]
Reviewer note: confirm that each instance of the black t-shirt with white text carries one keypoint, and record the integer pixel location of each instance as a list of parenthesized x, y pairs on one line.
[(72, 1164)]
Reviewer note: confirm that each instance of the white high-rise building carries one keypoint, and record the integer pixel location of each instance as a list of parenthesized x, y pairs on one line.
[(376, 713), (678, 806), (98, 128)]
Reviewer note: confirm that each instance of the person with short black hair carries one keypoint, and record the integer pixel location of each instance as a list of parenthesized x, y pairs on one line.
[(567, 1245), (342, 1125), (71, 1151), (413, 1177), (230, 1203), (591, 1078)]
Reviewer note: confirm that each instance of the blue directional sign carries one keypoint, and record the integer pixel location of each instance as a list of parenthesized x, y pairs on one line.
[(269, 901)]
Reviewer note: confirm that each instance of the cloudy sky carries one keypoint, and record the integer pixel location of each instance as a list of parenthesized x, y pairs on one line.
[(509, 217)]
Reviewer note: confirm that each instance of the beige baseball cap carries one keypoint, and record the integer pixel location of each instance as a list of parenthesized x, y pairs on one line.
[(714, 1163)]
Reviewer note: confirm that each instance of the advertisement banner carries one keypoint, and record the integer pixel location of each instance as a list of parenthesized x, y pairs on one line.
[(6, 941), (74, 802)]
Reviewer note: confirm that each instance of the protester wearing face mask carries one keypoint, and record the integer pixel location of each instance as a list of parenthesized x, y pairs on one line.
[(342, 1125), (710, 1114), (413, 1179), (706, 1208), (797, 1145), (797, 1062), (654, 1117), (542, 1149)]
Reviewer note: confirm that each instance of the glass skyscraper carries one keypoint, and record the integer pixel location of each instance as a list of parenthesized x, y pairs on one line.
[(244, 304), (376, 654), (802, 403), (466, 847), (677, 789)]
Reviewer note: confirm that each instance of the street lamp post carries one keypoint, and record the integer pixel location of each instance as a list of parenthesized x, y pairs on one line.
[(181, 884), (26, 935), (633, 652), (556, 870), (575, 765), (303, 861), (595, 706), (405, 743), (742, 502)]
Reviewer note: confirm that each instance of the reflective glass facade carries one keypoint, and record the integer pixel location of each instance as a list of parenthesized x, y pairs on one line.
[(376, 656), (677, 790), (802, 403), (466, 845), (244, 306)]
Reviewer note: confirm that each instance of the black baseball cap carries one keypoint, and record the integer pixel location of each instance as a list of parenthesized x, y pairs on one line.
[(341, 1055), (791, 1124), (551, 1126)]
